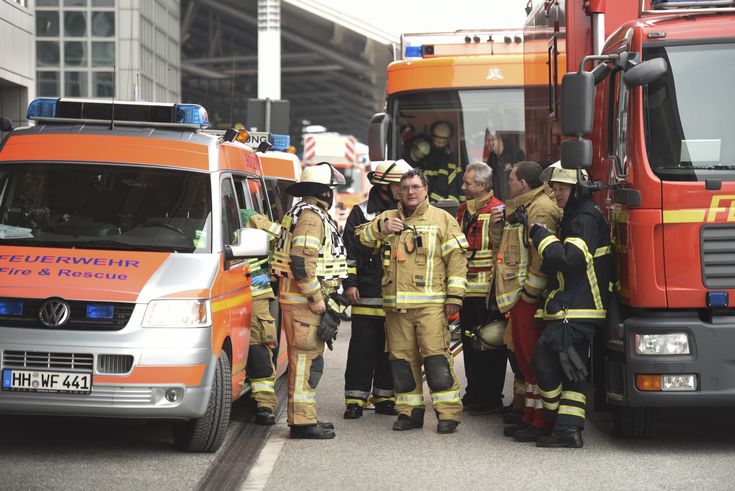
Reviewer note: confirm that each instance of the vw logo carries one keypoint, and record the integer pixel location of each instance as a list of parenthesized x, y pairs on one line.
[(54, 312)]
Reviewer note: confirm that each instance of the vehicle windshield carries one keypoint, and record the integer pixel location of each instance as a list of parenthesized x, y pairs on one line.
[(110, 207), (482, 124), (353, 180), (690, 130)]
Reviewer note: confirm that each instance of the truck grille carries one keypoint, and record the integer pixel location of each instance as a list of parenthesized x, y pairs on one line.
[(114, 364), (78, 320), (38, 359), (718, 256)]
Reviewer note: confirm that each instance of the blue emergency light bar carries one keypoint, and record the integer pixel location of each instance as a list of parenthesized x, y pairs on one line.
[(51, 110), (279, 142), (414, 52), (100, 311), (11, 308)]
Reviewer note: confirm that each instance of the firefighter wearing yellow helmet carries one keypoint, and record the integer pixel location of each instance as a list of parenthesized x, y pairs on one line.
[(310, 260), (424, 281), (367, 362), (579, 263)]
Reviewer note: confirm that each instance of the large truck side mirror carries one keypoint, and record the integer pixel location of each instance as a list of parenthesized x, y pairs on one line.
[(378, 136), (645, 72), (5, 124), (577, 119)]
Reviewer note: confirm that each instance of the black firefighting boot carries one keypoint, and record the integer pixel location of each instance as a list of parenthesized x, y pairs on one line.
[(447, 426), (327, 425), (561, 439), (386, 407), (353, 411), (416, 420), (311, 432), (530, 434), (510, 430), (264, 416)]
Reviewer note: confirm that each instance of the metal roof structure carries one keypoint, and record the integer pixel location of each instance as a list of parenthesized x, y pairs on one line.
[(332, 66)]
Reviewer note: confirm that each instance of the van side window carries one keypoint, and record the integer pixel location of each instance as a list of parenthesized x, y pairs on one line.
[(230, 213)]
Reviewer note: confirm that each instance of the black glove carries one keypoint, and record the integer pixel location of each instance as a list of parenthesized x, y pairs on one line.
[(575, 369), (520, 216), (327, 330)]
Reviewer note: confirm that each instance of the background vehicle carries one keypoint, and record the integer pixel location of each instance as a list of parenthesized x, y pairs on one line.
[(662, 145), (471, 79), (124, 285)]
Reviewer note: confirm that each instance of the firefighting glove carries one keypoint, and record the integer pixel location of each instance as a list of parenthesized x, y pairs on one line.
[(575, 369), (327, 330), (260, 280), (519, 216)]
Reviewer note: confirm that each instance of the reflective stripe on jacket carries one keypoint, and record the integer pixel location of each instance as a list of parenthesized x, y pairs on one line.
[(424, 264)]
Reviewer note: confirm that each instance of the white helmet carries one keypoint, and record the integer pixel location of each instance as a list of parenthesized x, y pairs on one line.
[(388, 171), (556, 173), (316, 179)]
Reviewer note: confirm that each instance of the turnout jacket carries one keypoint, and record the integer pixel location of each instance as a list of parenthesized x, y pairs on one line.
[(580, 262), (423, 265), (309, 257), (364, 266), (475, 219), (518, 271), (441, 170), (261, 265)]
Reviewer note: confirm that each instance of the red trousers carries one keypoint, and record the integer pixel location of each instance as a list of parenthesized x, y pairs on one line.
[(526, 331)]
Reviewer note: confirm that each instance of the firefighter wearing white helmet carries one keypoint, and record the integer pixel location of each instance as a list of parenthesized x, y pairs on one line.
[(579, 263), (367, 363), (310, 260)]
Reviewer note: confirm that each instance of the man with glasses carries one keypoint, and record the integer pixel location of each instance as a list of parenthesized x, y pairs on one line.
[(424, 281)]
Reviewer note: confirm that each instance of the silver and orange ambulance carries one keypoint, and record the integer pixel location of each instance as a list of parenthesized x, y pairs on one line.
[(124, 285)]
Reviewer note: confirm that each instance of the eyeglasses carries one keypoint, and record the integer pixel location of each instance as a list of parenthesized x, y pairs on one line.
[(413, 188)]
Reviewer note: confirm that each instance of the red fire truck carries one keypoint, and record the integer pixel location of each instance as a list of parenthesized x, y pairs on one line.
[(649, 110)]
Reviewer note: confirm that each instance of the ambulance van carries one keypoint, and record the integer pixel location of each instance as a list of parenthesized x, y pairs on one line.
[(124, 285)]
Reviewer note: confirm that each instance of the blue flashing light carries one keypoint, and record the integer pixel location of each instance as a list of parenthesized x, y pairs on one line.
[(413, 52), (717, 299), (193, 114), (279, 142), (11, 308), (43, 107), (100, 311)]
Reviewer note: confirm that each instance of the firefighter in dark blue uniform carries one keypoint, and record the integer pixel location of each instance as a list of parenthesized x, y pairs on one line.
[(367, 362), (579, 264)]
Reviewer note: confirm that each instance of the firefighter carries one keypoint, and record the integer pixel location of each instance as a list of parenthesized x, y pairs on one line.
[(484, 369), (580, 262), (263, 336), (440, 166), (424, 281), (519, 282), (367, 361), (310, 260)]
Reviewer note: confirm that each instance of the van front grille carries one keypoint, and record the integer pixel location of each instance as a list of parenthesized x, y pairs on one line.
[(45, 360), (718, 256), (114, 364)]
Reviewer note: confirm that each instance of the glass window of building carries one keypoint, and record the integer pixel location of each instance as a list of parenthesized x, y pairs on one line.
[(75, 53), (47, 53), (103, 24), (103, 53), (75, 24), (103, 3), (47, 3), (102, 83), (75, 3), (47, 84), (75, 84), (47, 23)]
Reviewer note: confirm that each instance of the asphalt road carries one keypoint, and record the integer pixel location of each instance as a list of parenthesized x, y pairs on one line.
[(694, 449)]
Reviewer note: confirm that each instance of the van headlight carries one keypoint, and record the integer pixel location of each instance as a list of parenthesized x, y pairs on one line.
[(177, 313), (676, 343)]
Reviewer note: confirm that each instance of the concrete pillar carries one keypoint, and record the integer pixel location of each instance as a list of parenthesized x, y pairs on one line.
[(269, 49)]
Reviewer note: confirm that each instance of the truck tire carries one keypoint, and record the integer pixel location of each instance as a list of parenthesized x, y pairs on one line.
[(634, 422), (206, 433)]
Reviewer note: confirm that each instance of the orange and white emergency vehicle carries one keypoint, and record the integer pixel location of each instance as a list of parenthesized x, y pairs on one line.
[(124, 284), (471, 79), (648, 105)]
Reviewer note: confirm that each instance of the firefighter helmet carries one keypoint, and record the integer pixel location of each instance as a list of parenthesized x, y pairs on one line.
[(556, 173), (388, 171), (420, 149), (488, 336), (316, 179)]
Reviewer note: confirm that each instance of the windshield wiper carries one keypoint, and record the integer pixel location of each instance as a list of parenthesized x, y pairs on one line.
[(114, 244)]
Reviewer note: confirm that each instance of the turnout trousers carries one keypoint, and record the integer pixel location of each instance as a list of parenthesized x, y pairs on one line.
[(367, 362), (485, 370), (526, 331), (419, 337), (305, 362), (260, 367)]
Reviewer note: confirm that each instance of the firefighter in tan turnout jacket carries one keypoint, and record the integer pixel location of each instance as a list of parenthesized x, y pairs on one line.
[(424, 280), (310, 260)]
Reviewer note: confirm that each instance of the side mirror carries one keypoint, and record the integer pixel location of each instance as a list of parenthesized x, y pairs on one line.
[(378, 136), (577, 103), (251, 242), (263, 147), (576, 154), (646, 72), (6, 124)]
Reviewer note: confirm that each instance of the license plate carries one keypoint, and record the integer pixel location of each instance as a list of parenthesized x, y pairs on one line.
[(35, 381)]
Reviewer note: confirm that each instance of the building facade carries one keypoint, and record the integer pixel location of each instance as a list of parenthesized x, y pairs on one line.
[(17, 62), (100, 48)]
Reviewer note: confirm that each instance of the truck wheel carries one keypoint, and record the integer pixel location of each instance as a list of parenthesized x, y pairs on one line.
[(634, 422), (206, 433)]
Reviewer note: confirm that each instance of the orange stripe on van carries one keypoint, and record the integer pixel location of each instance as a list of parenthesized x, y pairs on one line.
[(89, 148), (189, 375)]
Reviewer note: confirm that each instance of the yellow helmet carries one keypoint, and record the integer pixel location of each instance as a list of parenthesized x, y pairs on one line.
[(316, 179), (388, 171), (556, 173)]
